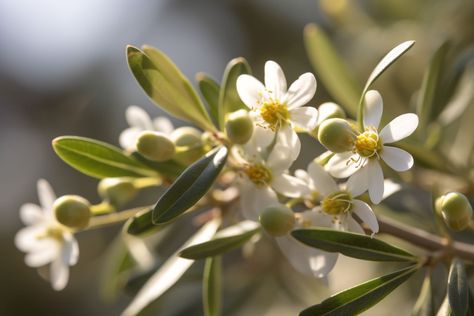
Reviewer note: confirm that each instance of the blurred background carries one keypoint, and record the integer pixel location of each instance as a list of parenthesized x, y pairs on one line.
[(63, 72)]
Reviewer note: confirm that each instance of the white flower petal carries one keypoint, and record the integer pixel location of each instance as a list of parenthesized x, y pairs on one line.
[(288, 137), (326, 110), (31, 214), (261, 138), (280, 159), (163, 124), (26, 239), (253, 199), (400, 127), (317, 217), (46, 196), (305, 117), (365, 213), (322, 181), (250, 91), (138, 117), (353, 226), (59, 274), (375, 181), (390, 187), (44, 255), (322, 264), (302, 174), (396, 158), (373, 109), (301, 91), (358, 183), (70, 249), (275, 80), (289, 186), (128, 138), (341, 166)]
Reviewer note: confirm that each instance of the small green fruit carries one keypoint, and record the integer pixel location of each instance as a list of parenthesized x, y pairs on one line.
[(277, 220), (239, 127), (72, 211), (336, 135), (456, 211), (117, 191), (190, 137), (155, 146)]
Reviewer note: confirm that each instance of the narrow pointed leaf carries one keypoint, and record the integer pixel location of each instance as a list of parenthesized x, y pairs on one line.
[(430, 86), (352, 245), (458, 288), (225, 240), (169, 273), (190, 186), (98, 159), (361, 297), (331, 69), (141, 223), (444, 309), (229, 100), (210, 90), (212, 285), (167, 86), (424, 305), (169, 168)]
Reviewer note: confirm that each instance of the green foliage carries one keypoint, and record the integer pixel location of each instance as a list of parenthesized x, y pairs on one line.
[(210, 90), (227, 239), (166, 85), (98, 159), (352, 245), (190, 186), (424, 306), (212, 284), (458, 288), (141, 223), (361, 297)]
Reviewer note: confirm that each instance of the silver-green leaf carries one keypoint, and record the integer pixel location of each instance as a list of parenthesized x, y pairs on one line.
[(210, 90), (212, 284), (458, 288)]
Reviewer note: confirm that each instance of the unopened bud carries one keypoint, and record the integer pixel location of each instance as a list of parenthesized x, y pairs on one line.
[(239, 127), (155, 146), (337, 135), (190, 137), (72, 211), (117, 191), (456, 210), (277, 220)]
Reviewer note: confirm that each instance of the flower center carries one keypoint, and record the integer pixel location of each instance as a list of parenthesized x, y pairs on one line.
[(337, 203), (258, 174), (51, 232), (275, 114), (368, 143)]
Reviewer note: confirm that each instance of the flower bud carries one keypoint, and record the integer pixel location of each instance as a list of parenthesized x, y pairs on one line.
[(239, 127), (337, 135), (456, 210), (190, 137), (277, 220), (72, 211), (117, 191), (155, 146)]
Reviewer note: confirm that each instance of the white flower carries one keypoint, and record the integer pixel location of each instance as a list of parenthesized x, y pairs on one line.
[(278, 108), (363, 163), (265, 172), (45, 240), (139, 121)]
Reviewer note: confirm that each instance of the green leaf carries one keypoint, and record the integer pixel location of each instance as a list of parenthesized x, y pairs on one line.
[(458, 288), (361, 297), (210, 91), (211, 291), (424, 305), (225, 240), (190, 186), (229, 100), (352, 245), (388, 59), (170, 272), (430, 86), (169, 168), (141, 223), (98, 159), (166, 85), (331, 69)]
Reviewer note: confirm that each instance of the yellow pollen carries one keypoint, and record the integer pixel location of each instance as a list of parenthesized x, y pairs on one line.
[(368, 144), (258, 174), (275, 114), (51, 232), (337, 203)]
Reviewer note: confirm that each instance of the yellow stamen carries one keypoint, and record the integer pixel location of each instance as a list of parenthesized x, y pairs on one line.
[(337, 203), (368, 144), (275, 114), (258, 174)]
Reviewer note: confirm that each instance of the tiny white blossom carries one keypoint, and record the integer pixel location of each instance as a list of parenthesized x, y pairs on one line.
[(362, 164), (265, 172), (278, 108), (139, 121), (45, 240)]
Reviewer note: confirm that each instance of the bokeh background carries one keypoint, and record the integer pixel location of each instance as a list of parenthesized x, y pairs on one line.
[(63, 72)]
